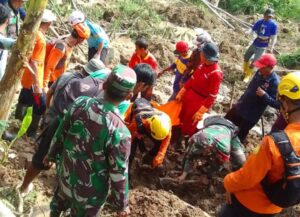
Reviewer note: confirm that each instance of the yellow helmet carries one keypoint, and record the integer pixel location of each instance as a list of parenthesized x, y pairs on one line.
[(160, 125), (289, 86)]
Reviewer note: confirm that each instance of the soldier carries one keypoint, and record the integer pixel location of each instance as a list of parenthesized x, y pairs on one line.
[(95, 147), (60, 96), (218, 137)]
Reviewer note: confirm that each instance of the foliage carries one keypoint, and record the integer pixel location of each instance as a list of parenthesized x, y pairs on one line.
[(23, 129), (12, 199), (291, 61), (135, 17), (286, 8)]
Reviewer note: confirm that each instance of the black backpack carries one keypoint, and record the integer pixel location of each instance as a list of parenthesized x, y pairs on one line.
[(285, 192)]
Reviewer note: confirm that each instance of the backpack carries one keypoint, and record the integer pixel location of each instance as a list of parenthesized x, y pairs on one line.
[(285, 192), (219, 120), (50, 45)]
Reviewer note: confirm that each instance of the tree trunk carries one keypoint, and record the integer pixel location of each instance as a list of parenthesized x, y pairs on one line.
[(20, 53)]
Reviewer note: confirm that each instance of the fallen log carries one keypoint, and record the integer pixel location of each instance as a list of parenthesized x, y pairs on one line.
[(242, 22), (218, 15)]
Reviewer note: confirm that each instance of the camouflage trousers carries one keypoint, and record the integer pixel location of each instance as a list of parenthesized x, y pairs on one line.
[(60, 203)]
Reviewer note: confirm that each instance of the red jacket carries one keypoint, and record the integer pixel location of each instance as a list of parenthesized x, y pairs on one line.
[(149, 59), (201, 90)]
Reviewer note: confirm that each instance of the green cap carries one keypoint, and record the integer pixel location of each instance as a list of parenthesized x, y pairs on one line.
[(122, 78)]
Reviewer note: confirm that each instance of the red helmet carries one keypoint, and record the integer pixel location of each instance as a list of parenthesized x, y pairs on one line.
[(181, 47), (82, 30)]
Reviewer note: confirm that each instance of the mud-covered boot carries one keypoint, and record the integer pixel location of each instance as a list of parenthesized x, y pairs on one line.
[(32, 130), (20, 111)]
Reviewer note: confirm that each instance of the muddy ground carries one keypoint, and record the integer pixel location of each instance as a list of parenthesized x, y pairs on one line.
[(151, 196)]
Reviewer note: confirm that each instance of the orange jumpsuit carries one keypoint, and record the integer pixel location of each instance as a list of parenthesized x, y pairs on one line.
[(56, 61), (245, 183), (38, 56)]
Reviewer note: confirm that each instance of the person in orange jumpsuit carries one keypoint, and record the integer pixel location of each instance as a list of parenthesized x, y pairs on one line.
[(246, 193), (150, 130), (32, 81), (59, 53), (200, 91)]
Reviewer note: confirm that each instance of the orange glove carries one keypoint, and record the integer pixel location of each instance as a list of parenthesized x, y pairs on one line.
[(158, 160), (199, 114), (180, 94)]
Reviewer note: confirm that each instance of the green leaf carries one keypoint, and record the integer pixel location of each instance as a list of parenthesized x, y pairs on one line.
[(25, 123)]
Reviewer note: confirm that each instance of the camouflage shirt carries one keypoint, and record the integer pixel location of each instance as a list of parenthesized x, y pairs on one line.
[(215, 139), (95, 145)]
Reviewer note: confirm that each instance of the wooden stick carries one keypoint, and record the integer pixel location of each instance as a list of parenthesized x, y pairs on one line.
[(217, 14), (262, 127), (54, 31), (74, 5), (232, 95), (169, 179), (242, 22)]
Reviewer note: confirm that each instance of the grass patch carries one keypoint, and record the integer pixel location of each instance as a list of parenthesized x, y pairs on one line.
[(135, 17), (291, 61), (287, 9)]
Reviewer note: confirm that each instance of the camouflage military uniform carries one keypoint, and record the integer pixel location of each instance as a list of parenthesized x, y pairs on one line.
[(95, 145), (215, 139)]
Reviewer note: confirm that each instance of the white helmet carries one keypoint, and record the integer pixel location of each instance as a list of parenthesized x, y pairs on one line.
[(202, 37), (48, 16), (76, 17)]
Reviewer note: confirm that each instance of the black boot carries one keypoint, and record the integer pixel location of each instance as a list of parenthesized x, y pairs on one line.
[(32, 130), (20, 111)]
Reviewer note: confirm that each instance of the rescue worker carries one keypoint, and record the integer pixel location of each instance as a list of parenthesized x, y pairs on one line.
[(178, 67), (21, 11), (143, 55), (95, 151), (202, 37), (199, 93), (12, 27), (218, 139), (59, 53), (98, 41), (63, 92), (32, 81), (260, 93), (266, 37), (5, 42), (150, 130), (247, 193), (60, 96)]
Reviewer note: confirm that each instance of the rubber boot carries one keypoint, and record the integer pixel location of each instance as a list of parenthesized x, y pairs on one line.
[(247, 72), (20, 111), (32, 130)]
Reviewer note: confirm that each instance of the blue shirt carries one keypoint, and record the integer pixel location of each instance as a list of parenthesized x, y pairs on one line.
[(264, 30), (98, 35), (250, 106)]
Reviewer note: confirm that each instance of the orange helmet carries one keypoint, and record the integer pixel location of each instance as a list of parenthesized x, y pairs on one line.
[(82, 30)]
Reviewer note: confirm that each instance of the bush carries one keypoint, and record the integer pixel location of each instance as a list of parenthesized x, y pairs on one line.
[(286, 8), (291, 61)]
